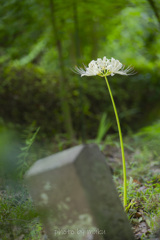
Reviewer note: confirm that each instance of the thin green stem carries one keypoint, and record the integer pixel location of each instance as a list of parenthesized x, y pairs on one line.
[(122, 148)]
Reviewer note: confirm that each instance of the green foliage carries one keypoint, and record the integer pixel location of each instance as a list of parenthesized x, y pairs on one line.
[(149, 147), (34, 101), (23, 161), (9, 149), (31, 73), (103, 128), (143, 205), (30, 77), (145, 196), (18, 216), (16, 154), (143, 170), (150, 132)]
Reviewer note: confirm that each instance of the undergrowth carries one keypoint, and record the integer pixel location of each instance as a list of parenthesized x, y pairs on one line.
[(19, 219)]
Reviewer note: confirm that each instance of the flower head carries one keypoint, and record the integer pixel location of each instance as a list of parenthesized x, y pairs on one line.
[(104, 67)]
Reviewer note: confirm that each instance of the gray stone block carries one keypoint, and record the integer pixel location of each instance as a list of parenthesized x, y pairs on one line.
[(76, 197)]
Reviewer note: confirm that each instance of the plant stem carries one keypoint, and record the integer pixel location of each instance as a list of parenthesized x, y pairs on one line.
[(122, 148)]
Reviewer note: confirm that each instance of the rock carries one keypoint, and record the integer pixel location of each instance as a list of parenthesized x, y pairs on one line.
[(76, 197)]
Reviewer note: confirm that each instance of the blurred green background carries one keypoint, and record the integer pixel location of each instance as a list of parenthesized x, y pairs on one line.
[(42, 41), (45, 107)]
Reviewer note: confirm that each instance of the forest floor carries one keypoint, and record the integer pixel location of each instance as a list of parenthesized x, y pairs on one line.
[(143, 189), (19, 219)]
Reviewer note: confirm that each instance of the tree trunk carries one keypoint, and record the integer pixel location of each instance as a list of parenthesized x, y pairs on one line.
[(155, 10), (62, 81), (78, 57)]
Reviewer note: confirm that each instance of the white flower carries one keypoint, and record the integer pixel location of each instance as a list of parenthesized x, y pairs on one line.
[(104, 67)]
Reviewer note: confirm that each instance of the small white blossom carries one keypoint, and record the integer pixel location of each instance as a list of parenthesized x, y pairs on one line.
[(104, 67)]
